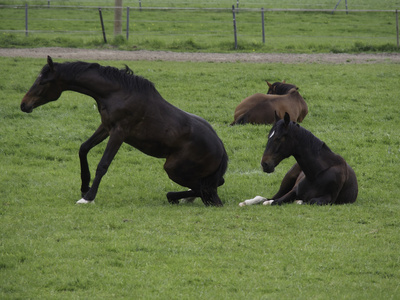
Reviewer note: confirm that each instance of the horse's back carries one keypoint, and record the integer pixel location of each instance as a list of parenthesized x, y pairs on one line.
[(260, 108), (255, 109)]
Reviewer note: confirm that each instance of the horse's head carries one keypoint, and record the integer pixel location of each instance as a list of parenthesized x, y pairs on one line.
[(280, 88), (279, 145), (44, 89)]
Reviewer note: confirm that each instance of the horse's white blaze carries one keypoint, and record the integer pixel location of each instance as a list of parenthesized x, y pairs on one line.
[(83, 201), (268, 202), (272, 134), (255, 200)]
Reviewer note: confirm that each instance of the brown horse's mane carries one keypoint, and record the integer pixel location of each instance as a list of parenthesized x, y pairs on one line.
[(283, 88), (125, 76)]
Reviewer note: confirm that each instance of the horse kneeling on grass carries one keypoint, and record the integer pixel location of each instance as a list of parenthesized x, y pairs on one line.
[(132, 111), (319, 175)]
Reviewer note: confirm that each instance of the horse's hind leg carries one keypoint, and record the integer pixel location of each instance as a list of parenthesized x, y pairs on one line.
[(174, 197), (210, 197), (98, 136)]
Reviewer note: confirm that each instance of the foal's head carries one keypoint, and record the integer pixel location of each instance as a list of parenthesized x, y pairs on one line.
[(280, 143), (280, 88), (44, 89)]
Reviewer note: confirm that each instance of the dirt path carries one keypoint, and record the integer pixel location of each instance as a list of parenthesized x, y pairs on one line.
[(84, 54)]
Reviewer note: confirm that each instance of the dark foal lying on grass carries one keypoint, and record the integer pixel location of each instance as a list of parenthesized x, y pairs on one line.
[(280, 98), (319, 176), (132, 111)]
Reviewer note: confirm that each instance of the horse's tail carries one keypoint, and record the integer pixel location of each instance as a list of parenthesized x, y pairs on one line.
[(223, 166)]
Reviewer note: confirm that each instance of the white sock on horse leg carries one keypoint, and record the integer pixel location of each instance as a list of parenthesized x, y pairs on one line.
[(255, 200)]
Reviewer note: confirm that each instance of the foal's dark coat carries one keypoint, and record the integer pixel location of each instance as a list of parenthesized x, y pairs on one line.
[(132, 111), (260, 108), (319, 176)]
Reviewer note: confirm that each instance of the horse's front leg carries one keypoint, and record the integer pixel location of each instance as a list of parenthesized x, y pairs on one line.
[(287, 198), (98, 136), (113, 145)]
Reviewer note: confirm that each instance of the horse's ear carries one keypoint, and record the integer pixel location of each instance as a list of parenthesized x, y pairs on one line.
[(270, 85), (284, 81), (50, 63), (287, 119)]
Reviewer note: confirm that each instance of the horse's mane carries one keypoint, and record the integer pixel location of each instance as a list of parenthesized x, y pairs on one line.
[(305, 137), (125, 76), (283, 88)]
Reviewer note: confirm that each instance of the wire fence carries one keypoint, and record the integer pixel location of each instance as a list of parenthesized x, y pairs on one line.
[(257, 25)]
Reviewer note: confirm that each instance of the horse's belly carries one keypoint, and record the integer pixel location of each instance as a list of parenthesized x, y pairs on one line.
[(154, 149)]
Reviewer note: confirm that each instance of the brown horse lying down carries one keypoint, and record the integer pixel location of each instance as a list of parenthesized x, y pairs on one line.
[(260, 108), (319, 176)]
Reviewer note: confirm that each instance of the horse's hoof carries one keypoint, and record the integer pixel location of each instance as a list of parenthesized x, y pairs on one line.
[(299, 202), (84, 201), (241, 204), (268, 202)]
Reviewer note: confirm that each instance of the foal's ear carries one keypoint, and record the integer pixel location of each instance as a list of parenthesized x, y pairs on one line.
[(270, 85), (277, 118), (50, 63), (287, 119)]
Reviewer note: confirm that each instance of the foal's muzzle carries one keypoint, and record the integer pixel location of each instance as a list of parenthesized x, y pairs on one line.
[(267, 167), (26, 108)]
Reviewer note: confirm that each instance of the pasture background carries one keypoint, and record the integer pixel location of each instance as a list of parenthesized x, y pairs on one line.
[(191, 25), (133, 244)]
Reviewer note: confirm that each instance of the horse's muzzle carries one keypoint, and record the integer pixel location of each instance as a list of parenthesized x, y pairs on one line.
[(268, 168), (26, 108)]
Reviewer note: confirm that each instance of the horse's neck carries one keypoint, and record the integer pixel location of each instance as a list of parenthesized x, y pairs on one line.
[(88, 82), (309, 153)]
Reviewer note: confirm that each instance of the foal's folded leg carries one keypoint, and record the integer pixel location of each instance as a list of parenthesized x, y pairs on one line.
[(255, 200)]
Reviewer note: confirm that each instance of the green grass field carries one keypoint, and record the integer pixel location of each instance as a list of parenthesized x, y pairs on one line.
[(132, 244), (202, 29)]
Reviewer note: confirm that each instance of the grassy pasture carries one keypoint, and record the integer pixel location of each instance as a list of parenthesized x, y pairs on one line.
[(132, 244), (210, 30)]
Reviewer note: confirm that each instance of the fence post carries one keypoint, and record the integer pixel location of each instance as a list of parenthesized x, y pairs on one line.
[(234, 25), (127, 23), (26, 19), (102, 26), (118, 17), (397, 28), (262, 24)]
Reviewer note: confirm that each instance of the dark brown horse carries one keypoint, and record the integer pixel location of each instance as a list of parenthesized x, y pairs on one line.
[(132, 111), (260, 108), (319, 176)]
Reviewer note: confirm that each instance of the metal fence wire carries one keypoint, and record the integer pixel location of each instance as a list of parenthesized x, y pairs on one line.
[(255, 25)]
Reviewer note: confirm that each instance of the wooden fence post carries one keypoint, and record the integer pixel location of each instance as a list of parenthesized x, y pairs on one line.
[(234, 25), (118, 17)]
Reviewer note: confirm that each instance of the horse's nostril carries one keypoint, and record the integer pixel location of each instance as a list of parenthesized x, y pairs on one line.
[(26, 109), (267, 167)]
